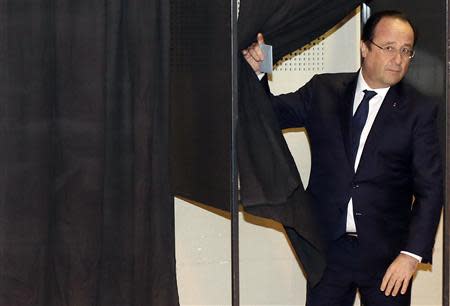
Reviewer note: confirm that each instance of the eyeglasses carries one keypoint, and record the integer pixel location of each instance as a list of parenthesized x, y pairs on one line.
[(405, 52)]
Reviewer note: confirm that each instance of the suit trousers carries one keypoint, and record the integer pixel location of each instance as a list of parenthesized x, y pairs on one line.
[(345, 275)]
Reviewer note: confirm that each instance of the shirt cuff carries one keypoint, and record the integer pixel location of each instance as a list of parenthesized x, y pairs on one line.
[(419, 258)]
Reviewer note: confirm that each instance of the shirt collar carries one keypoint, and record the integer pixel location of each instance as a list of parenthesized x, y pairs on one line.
[(362, 85)]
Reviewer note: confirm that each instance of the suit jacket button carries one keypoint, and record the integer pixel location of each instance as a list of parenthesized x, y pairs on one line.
[(355, 186)]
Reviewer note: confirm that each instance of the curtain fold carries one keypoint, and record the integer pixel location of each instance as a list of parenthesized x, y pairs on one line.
[(86, 213)]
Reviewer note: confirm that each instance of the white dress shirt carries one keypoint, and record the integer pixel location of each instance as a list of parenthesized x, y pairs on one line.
[(374, 107)]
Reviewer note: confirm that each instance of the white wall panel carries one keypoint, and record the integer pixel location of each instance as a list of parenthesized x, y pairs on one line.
[(203, 255)]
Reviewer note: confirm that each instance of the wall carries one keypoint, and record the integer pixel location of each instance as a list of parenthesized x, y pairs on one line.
[(203, 254)]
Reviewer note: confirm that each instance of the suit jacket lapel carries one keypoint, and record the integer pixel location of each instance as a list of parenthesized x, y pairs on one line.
[(347, 113), (391, 102)]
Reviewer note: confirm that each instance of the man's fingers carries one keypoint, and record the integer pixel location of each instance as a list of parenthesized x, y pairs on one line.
[(253, 54), (405, 285), (259, 53), (385, 280), (398, 275), (397, 286), (256, 53), (260, 38), (390, 285)]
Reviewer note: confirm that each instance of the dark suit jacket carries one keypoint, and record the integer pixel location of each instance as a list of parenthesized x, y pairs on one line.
[(397, 189)]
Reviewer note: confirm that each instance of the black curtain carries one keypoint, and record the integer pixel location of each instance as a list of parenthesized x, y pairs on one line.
[(85, 212)]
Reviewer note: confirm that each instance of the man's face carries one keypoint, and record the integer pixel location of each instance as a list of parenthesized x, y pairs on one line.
[(381, 69)]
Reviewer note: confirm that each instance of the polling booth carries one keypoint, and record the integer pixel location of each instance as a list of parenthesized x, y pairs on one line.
[(231, 248)]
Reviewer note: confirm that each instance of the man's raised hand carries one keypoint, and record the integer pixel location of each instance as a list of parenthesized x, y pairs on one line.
[(254, 55)]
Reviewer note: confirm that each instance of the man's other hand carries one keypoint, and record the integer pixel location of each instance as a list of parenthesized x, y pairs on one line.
[(253, 54), (399, 274)]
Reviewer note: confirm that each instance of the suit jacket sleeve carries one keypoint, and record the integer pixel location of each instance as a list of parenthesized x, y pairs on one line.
[(292, 109), (427, 174)]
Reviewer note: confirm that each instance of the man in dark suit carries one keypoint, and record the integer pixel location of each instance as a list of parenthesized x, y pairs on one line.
[(376, 174)]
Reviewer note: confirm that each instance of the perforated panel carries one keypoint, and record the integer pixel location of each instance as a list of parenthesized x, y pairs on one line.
[(335, 51), (309, 58)]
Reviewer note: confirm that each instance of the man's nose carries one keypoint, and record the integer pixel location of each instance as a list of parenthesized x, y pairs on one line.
[(398, 58)]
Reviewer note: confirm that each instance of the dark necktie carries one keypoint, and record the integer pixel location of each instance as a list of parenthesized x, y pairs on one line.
[(359, 120)]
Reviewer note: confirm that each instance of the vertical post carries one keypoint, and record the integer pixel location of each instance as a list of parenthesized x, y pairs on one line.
[(365, 13), (234, 170), (446, 258)]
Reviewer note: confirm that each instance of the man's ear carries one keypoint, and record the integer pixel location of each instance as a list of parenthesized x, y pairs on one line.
[(364, 49)]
